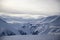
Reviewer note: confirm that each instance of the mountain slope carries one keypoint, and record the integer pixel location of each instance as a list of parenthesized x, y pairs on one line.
[(7, 29), (50, 24), (45, 25), (51, 20)]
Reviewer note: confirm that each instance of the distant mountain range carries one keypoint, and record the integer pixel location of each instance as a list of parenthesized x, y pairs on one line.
[(45, 25)]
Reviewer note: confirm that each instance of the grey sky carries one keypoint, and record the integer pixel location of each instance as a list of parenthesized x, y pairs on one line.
[(36, 7)]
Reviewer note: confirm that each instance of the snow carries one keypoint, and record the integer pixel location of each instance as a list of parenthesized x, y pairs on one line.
[(31, 37), (27, 31)]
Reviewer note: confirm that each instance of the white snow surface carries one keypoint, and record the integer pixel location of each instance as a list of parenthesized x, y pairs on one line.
[(31, 37)]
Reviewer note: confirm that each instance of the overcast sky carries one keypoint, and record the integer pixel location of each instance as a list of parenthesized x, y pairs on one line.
[(30, 7)]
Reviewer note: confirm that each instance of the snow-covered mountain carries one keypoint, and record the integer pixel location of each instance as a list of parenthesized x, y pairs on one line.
[(49, 25), (41, 26), (7, 29), (45, 25), (52, 19)]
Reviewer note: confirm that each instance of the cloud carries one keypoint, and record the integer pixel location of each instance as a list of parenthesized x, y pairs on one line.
[(34, 7), (21, 15)]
